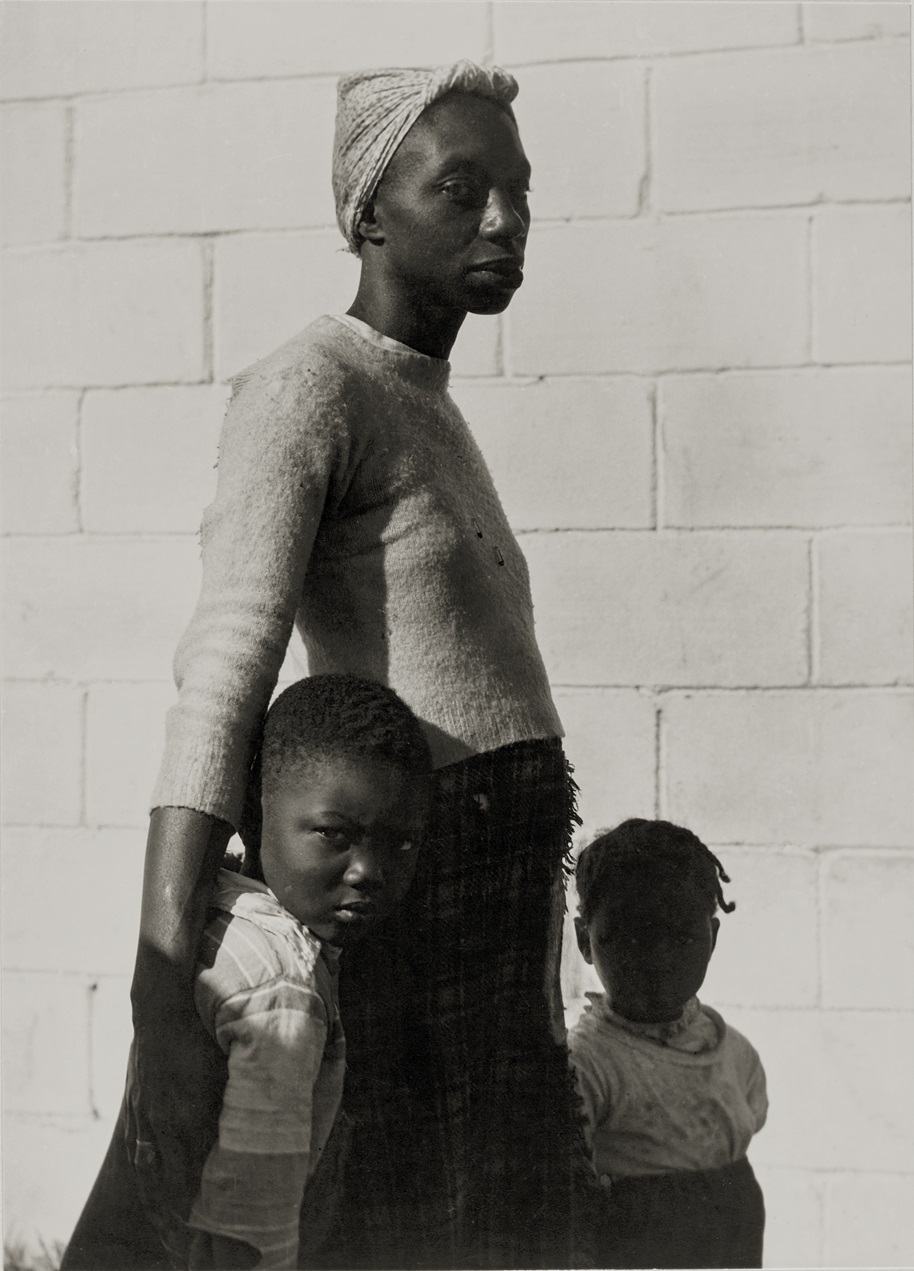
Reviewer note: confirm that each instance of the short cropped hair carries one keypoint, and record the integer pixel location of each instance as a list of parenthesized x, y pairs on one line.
[(640, 856), (336, 715)]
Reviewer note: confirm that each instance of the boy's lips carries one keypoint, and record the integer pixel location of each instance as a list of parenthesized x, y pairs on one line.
[(358, 909)]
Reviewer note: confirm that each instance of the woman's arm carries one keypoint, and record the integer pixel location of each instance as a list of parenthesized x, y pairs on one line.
[(175, 1079)]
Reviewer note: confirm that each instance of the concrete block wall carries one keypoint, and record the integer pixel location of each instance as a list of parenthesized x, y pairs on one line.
[(697, 411)]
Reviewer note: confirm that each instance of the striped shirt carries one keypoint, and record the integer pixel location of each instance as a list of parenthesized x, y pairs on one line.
[(266, 990)]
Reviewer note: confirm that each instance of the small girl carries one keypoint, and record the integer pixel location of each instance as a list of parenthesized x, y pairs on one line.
[(672, 1093)]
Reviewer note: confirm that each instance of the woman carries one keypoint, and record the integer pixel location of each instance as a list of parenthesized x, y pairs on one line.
[(353, 503)]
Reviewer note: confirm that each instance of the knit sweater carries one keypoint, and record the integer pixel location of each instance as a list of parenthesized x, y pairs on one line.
[(353, 503)]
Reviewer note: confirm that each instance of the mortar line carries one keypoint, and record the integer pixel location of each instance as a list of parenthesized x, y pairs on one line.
[(645, 186), (204, 42), (488, 57), (208, 285), (90, 1049), (811, 315), (69, 164), (658, 471), (820, 929), (659, 763), (814, 618), (78, 475)]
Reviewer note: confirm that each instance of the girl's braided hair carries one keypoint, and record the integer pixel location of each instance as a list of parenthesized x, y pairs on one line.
[(638, 855)]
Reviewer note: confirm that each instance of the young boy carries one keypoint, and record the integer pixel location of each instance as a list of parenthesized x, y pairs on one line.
[(672, 1094), (345, 771)]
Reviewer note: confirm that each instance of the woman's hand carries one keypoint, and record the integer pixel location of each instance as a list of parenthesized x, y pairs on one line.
[(175, 1079), (219, 1253)]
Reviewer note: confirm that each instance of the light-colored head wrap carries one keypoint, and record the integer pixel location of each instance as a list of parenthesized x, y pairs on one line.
[(375, 111)]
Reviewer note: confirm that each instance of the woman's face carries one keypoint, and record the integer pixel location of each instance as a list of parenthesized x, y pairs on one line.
[(450, 214)]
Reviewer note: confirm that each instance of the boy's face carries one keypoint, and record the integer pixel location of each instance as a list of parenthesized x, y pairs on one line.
[(339, 843), (651, 956)]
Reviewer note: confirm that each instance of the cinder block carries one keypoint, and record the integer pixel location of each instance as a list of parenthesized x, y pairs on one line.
[(646, 609), (763, 129), (32, 166), (868, 929), (808, 766), (56, 50), (793, 1216), (866, 625), (149, 457), (839, 1086), (575, 454), (583, 128), (862, 284), (235, 156), (810, 447), (860, 21), (269, 286), (552, 32), (97, 608), (46, 1043), (39, 455), (98, 935), (680, 294), (869, 1220), (42, 754), (112, 1032), (112, 313), (610, 740), (775, 891), (125, 737), (51, 1164), (322, 38), (478, 348)]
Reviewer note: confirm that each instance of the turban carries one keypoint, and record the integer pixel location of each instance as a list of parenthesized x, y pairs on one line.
[(375, 111)]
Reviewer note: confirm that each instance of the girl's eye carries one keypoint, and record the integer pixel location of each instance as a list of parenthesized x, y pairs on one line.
[(407, 846)]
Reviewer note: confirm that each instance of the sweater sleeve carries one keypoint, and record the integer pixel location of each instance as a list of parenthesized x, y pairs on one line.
[(280, 443), (255, 1175)]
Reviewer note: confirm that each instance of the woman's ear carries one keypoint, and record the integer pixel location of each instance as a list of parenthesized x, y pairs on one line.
[(715, 927), (583, 935), (370, 226)]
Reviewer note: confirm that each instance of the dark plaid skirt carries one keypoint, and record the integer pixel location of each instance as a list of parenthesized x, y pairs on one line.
[(467, 1147)]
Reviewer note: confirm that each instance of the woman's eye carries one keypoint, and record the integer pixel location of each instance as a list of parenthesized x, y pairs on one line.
[(408, 845), (462, 192)]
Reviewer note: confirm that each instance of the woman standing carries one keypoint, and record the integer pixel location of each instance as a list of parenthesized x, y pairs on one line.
[(353, 503)]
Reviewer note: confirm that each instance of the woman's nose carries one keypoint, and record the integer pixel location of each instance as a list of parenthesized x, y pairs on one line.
[(503, 218)]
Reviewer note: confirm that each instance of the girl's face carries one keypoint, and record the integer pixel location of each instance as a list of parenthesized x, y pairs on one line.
[(652, 955), (450, 214)]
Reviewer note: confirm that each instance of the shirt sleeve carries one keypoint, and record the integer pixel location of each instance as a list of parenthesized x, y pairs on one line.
[(255, 1176), (592, 1097), (757, 1092), (277, 453)]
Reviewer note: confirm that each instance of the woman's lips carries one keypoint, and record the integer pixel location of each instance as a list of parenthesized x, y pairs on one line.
[(504, 268)]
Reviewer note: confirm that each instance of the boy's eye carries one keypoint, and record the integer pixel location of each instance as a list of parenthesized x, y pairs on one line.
[(332, 833)]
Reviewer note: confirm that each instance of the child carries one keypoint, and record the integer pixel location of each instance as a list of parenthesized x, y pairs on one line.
[(672, 1094), (345, 771)]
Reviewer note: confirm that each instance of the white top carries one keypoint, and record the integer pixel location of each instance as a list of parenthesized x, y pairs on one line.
[(660, 1098)]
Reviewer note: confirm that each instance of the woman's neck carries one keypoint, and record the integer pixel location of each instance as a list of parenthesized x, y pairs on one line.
[(423, 327)]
